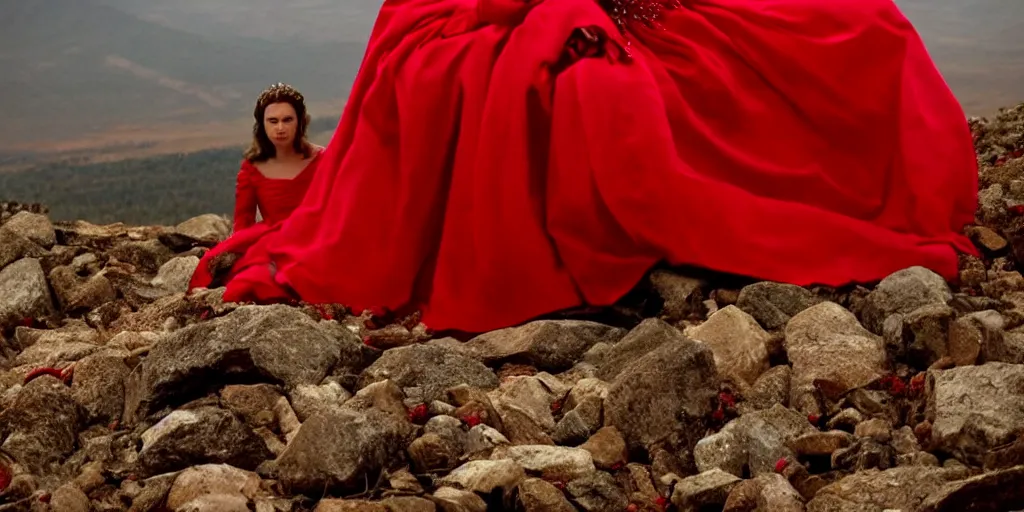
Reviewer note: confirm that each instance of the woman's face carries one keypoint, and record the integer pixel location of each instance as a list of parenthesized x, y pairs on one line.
[(281, 123)]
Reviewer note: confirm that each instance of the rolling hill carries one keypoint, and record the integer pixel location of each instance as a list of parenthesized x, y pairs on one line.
[(135, 78), (300, 20), (977, 44), (78, 66)]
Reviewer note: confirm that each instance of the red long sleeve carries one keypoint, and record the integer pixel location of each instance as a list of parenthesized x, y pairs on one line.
[(245, 199)]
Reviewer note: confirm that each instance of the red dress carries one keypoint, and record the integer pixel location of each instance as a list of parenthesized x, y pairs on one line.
[(276, 199), (498, 160)]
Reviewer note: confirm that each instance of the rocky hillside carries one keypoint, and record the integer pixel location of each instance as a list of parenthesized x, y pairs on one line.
[(120, 392), (84, 69)]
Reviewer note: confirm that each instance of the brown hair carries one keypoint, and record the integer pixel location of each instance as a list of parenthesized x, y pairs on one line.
[(261, 148)]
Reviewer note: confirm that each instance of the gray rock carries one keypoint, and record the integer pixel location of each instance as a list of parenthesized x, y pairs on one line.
[(527, 398), (98, 387), (206, 435), (205, 229), (212, 480), (154, 492), (175, 275), (382, 395), (276, 343), (996, 345), (597, 492), (864, 453), (997, 491), (682, 296), (903, 292), (706, 490), (82, 233), (147, 256), (778, 495), (52, 352), (926, 334), (76, 294), (433, 452), (752, 443), (763, 493), (740, 345), (579, 423), (24, 292), (71, 332), (773, 304), (482, 439), (1006, 347), (830, 351), (585, 389), (407, 504), (431, 368), (14, 247), (333, 451), (309, 400), (42, 424), (484, 476), (664, 396), (551, 345), (966, 338), (458, 500), (902, 488), (975, 409), (537, 495), (610, 360), (252, 403), (68, 498), (33, 226), (771, 388), (552, 462)]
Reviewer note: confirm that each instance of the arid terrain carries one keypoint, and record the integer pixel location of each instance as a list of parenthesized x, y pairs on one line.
[(85, 74)]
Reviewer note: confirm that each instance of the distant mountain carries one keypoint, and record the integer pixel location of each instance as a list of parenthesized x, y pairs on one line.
[(977, 44), (296, 20), (74, 66), (83, 67)]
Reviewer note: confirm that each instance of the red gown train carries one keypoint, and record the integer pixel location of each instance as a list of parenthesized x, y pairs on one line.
[(498, 160)]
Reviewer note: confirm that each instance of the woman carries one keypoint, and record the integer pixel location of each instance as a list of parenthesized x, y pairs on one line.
[(498, 160), (279, 164), (276, 172)]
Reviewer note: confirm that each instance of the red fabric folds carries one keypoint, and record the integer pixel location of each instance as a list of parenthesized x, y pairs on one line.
[(478, 176)]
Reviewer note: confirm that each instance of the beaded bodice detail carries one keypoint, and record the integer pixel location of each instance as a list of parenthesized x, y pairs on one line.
[(646, 12)]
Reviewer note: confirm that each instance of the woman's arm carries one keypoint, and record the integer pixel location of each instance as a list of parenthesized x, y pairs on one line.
[(245, 199)]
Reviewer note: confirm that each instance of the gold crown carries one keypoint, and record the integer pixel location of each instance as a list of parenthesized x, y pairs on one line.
[(277, 92)]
